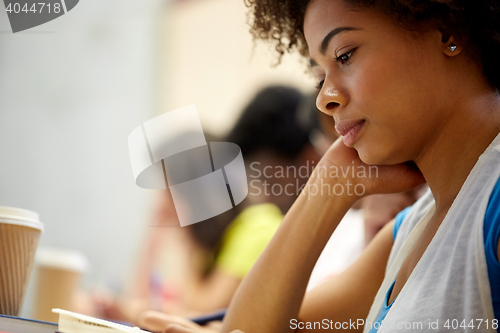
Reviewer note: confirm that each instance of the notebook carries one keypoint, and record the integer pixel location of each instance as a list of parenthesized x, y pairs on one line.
[(11, 324), (71, 322)]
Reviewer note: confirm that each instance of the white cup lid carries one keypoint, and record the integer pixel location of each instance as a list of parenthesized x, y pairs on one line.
[(60, 258), (19, 216)]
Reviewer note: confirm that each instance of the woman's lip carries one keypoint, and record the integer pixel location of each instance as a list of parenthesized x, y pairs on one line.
[(349, 130)]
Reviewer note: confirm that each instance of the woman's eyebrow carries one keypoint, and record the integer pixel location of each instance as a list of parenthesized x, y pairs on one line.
[(331, 34)]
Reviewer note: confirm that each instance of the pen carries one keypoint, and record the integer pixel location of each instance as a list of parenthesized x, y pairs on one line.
[(202, 320)]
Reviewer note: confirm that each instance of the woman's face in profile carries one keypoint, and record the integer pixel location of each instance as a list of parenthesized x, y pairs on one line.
[(388, 90)]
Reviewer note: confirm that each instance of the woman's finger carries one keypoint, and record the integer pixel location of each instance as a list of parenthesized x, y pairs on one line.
[(155, 321), (175, 328), (214, 325)]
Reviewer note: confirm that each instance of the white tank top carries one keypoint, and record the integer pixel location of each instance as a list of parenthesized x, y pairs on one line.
[(449, 289)]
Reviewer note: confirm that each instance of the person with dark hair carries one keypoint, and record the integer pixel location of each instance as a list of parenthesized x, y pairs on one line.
[(271, 134), (216, 254), (413, 88), (270, 137), (270, 122)]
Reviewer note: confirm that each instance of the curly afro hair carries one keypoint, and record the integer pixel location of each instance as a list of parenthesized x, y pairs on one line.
[(476, 22)]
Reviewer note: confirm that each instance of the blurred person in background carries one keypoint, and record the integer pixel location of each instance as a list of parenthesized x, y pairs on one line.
[(196, 269)]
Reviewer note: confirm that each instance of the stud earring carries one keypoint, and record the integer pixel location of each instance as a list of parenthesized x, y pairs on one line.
[(452, 47)]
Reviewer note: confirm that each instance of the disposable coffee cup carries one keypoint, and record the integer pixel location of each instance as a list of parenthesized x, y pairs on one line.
[(19, 233), (59, 272)]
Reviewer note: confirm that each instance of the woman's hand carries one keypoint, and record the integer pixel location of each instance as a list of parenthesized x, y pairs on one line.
[(342, 165)]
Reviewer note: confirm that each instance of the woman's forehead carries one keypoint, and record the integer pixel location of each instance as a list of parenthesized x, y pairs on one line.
[(321, 15), (324, 17)]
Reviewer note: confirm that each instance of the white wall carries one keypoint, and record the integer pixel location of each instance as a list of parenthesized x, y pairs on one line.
[(71, 91)]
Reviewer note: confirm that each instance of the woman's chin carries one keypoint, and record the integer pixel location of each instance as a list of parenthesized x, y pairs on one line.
[(371, 157), (365, 155)]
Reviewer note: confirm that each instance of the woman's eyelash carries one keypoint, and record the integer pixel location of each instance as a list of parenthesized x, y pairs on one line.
[(344, 58), (320, 85)]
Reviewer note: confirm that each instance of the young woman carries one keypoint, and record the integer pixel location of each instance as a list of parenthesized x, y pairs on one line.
[(413, 88)]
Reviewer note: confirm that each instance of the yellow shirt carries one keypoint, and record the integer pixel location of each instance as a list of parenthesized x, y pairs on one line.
[(246, 238)]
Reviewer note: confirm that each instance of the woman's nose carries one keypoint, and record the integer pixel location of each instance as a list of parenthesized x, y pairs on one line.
[(330, 98)]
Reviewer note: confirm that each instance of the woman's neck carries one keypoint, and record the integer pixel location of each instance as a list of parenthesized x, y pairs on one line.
[(449, 159)]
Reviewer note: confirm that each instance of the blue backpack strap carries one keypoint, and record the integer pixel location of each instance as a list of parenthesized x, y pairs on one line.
[(398, 220)]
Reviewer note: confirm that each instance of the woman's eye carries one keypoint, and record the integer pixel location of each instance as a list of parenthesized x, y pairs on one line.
[(320, 85), (344, 58)]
